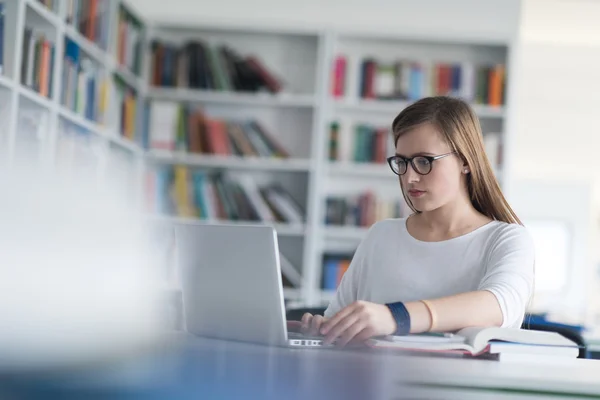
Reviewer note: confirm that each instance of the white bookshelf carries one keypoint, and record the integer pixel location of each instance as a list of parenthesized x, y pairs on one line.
[(232, 98), (32, 14), (299, 116)]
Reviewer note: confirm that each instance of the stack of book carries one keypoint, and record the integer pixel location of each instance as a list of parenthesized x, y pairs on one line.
[(176, 127), (217, 196), (199, 65)]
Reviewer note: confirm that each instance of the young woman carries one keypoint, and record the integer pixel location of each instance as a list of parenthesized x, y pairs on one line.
[(461, 259)]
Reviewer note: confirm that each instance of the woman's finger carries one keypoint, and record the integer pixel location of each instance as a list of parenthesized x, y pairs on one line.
[(343, 313), (350, 333), (315, 325), (341, 327), (306, 321)]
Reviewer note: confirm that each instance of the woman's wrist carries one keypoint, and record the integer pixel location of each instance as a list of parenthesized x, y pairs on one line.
[(420, 317), (401, 317)]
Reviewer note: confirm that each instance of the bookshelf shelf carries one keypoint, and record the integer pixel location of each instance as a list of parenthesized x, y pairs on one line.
[(42, 11), (488, 111), (292, 293), (231, 98), (80, 121), (128, 77), (35, 97), (88, 47), (393, 107), (134, 148), (361, 169), (282, 229), (345, 232), (6, 82), (98, 130), (231, 162), (325, 296)]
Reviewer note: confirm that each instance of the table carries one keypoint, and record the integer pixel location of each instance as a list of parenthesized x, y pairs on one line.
[(189, 367)]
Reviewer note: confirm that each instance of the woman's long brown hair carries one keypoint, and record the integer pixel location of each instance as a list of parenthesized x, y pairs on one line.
[(460, 126)]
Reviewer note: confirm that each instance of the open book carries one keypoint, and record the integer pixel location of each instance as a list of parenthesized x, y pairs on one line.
[(476, 341)]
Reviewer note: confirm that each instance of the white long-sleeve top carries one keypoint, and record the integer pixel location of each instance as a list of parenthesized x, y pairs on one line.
[(390, 265)]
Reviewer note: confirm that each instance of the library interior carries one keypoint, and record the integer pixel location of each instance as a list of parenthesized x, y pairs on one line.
[(201, 197)]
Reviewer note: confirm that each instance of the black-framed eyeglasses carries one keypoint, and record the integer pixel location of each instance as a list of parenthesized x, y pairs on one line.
[(421, 164)]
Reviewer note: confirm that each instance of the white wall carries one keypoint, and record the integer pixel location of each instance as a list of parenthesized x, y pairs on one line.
[(489, 19), (555, 107)]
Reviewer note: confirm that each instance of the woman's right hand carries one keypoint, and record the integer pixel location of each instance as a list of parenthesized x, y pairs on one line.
[(311, 324)]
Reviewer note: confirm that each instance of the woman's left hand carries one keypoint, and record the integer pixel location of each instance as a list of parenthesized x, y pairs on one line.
[(358, 322)]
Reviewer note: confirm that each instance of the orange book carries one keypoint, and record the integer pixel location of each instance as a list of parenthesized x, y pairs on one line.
[(91, 26), (342, 268), (122, 40), (45, 69), (496, 83)]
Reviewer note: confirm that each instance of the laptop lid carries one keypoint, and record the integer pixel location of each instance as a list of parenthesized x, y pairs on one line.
[(231, 282)]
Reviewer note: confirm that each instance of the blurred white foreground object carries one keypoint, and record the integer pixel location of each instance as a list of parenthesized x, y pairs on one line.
[(75, 286)]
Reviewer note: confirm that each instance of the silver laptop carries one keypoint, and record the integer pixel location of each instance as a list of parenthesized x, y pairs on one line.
[(231, 282)]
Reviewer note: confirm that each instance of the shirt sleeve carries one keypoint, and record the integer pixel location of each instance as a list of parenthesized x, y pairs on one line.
[(509, 273), (347, 291)]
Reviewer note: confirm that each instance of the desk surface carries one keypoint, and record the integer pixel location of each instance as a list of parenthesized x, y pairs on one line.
[(185, 367)]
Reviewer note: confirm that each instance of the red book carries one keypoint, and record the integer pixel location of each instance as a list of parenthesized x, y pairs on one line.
[(339, 76)]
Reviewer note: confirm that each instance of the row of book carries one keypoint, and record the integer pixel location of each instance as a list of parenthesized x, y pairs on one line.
[(83, 86), (129, 40), (369, 144), (412, 80), (200, 65), (215, 195), (178, 127), (334, 268), (37, 62), (361, 210), (91, 19)]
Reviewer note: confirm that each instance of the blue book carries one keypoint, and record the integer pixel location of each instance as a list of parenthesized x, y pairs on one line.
[(330, 274)]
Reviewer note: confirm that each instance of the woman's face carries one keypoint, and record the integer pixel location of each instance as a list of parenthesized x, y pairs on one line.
[(442, 184)]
